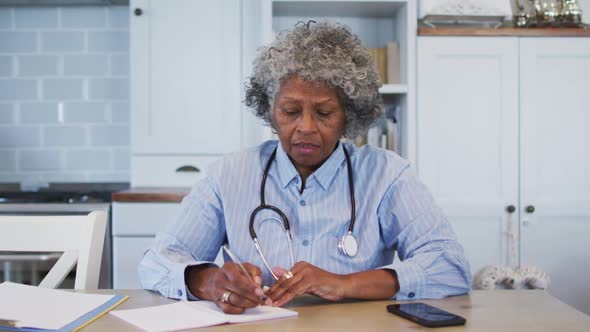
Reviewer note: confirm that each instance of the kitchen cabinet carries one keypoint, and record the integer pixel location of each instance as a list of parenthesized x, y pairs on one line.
[(554, 179), (187, 76), (502, 144), (468, 137), (134, 228), (128, 251)]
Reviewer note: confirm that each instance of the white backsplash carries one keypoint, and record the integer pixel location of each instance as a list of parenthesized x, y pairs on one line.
[(64, 93)]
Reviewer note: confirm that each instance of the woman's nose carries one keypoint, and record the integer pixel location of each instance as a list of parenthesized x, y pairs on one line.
[(307, 123)]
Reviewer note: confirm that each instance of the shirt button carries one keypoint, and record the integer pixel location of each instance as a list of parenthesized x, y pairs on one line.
[(302, 203), (296, 180), (411, 295), (179, 292), (305, 243)]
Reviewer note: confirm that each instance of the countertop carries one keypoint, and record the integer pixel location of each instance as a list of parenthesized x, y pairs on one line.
[(485, 311), (506, 30), (151, 194)]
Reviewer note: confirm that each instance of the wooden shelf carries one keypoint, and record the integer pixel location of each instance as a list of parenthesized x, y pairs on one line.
[(393, 89), (337, 8), (506, 30), (151, 194)]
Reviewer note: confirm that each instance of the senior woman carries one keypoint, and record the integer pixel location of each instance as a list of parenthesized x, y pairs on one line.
[(309, 213)]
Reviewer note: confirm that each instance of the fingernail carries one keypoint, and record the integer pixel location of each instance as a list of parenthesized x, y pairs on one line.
[(259, 292), (258, 280), (268, 302)]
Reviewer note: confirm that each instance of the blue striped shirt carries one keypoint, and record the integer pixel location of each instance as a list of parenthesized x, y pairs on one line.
[(394, 213)]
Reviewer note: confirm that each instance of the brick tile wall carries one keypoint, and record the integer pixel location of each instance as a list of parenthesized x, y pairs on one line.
[(64, 94)]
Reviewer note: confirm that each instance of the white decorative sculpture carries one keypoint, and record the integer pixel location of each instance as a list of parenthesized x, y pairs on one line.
[(465, 7), (504, 277)]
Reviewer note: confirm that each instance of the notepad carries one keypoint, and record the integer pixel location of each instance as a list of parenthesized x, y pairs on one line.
[(186, 315), (33, 308)]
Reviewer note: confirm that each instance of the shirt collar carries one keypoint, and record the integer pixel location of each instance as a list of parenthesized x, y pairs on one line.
[(324, 175), (285, 168)]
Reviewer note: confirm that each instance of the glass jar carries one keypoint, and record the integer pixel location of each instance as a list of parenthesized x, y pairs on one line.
[(524, 13), (548, 12), (570, 14)]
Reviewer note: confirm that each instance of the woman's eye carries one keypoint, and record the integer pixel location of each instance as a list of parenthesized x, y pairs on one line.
[(324, 113), (290, 111)]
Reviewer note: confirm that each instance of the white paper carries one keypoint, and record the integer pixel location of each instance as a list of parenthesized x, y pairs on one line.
[(185, 315), (464, 7), (45, 308)]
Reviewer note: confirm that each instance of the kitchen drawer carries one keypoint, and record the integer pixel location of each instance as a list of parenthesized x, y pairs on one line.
[(141, 219), (168, 171)]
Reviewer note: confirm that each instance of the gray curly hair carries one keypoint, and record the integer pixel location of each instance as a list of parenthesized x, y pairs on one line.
[(323, 52)]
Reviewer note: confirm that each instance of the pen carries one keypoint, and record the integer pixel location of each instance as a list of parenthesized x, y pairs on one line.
[(235, 259)]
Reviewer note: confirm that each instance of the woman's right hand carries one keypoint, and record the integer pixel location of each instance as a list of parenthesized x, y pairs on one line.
[(210, 282)]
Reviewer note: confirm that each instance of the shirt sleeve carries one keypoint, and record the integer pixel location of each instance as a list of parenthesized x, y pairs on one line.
[(431, 263), (193, 238)]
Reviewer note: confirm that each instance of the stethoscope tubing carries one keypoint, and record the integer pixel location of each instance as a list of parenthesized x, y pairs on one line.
[(285, 221), (351, 188)]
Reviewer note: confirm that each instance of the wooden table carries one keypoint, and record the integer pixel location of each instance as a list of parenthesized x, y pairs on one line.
[(494, 311)]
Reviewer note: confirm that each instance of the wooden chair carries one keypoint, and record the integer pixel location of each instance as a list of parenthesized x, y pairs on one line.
[(79, 237)]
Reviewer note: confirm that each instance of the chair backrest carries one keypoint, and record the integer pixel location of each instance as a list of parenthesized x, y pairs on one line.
[(79, 237)]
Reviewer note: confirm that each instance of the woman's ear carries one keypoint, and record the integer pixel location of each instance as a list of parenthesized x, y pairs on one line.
[(271, 123)]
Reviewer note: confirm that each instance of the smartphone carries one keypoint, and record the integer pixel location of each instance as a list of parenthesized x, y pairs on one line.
[(425, 315)]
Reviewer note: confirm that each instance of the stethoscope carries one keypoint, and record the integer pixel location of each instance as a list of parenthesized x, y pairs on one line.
[(347, 246)]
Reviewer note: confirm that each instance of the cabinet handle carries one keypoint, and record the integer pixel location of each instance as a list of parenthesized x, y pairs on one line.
[(138, 12), (188, 169), (530, 209), (510, 209)]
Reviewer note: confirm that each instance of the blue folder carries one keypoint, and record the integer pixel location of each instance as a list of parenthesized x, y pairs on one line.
[(80, 322)]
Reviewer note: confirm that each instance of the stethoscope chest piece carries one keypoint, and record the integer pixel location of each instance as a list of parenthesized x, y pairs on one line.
[(348, 245)]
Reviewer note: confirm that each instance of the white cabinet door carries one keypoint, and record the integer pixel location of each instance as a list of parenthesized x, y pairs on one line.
[(555, 111), (185, 76), (467, 138), (127, 253), (134, 226)]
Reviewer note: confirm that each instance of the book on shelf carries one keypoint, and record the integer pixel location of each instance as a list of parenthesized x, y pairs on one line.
[(379, 57), (393, 63), (387, 62), (372, 136), (385, 133)]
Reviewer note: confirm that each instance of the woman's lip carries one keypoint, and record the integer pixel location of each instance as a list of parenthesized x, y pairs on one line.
[(306, 148), (306, 145)]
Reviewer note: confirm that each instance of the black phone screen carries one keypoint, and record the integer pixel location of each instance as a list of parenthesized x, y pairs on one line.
[(425, 314)]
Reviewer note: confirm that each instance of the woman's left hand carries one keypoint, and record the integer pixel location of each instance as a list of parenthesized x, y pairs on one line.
[(306, 278)]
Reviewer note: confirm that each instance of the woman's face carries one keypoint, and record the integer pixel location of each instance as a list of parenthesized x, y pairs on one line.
[(309, 120)]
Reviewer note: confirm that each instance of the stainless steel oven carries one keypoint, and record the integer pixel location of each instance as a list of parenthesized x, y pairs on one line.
[(54, 199)]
